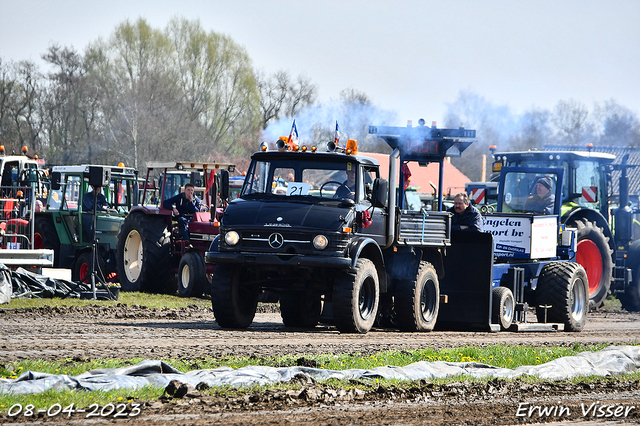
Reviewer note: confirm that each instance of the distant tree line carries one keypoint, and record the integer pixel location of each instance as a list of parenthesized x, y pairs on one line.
[(145, 95), (570, 123)]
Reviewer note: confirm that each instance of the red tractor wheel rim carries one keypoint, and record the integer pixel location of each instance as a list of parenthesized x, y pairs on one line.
[(84, 268), (589, 257)]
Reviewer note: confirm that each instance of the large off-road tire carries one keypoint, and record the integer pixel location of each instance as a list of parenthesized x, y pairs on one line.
[(191, 275), (46, 237), (300, 310), (417, 301), (234, 301), (564, 287), (594, 254), (356, 295), (143, 253), (630, 299), (503, 307)]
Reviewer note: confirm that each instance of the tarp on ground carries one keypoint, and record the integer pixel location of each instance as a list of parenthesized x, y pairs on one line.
[(611, 361), (25, 284)]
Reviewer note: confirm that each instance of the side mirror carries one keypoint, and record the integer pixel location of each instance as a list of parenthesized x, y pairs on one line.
[(55, 180), (380, 192), (195, 178), (224, 185)]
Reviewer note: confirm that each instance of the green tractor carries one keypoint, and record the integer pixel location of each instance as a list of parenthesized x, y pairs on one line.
[(66, 227), (605, 246)]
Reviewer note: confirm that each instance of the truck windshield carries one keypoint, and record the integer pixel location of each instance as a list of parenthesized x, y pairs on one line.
[(322, 179)]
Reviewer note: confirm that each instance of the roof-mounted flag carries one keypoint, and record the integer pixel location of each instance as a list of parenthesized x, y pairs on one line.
[(337, 136), (292, 142)]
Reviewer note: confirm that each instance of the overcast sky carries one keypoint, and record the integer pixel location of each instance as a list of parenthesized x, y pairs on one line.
[(412, 57)]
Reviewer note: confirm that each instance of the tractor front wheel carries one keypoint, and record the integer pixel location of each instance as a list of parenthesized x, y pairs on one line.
[(191, 275)]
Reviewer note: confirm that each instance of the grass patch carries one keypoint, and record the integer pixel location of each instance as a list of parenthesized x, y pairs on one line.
[(148, 300), (499, 355)]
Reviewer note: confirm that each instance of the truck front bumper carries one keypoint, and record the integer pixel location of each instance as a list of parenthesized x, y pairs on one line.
[(276, 260)]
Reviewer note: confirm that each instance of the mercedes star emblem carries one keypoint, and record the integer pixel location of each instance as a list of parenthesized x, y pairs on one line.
[(276, 240)]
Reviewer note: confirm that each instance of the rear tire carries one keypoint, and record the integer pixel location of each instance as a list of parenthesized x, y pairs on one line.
[(594, 254), (143, 254), (46, 237), (191, 275), (503, 307), (563, 286), (355, 298), (234, 302), (417, 301), (300, 310)]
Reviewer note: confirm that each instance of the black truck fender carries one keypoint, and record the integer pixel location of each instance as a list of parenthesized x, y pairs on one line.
[(367, 248)]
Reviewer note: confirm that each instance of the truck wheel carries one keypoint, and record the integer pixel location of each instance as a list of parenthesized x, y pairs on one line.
[(300, 310), (563, 286), (46, 237), (503, 307), (594, 254), (355, 298), (234, 302), (417, 301), (191, 275), (143, 253)]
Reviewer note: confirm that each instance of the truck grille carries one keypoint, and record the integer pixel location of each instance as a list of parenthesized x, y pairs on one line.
[(289, 242)]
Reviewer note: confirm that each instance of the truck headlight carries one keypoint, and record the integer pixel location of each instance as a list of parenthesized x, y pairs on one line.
[(231, 238), (320, 242)]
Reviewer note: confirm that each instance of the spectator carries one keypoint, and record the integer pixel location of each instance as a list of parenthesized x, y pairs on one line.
[(184, 206), (465, 216)]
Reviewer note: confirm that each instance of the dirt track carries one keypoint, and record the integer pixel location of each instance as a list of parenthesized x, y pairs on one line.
[(192, 333)]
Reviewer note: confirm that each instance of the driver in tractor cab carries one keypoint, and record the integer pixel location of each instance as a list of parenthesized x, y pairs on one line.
[(184, 206), (543, 200)]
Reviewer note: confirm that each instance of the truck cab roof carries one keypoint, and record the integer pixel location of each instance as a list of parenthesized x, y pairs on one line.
[(314, 156)]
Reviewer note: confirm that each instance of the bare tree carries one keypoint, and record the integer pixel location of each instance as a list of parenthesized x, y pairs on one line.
[(570, 118), (280, 97)]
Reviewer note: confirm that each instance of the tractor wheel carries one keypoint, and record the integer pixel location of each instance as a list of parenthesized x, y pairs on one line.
[(300, 310), (594, 254), (82, 267), (417, 301), (355, 298), (46, 237), (143, 253), (191, 275), (234, 302), (630, 299), (563, 289), (503, 307)]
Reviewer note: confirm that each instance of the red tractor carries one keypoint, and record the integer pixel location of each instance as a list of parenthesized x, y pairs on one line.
[(151, 251)]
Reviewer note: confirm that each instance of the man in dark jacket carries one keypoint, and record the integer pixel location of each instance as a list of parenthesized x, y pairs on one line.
[(543, 201), (184, 206), (465, 216)]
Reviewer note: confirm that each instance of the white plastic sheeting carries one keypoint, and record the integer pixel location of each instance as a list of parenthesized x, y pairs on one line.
[(613, 360)]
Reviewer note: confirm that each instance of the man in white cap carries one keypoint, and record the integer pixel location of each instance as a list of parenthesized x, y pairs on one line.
[(543, 200)]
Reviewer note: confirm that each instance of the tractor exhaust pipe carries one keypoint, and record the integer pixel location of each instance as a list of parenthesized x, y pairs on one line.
[(393, 181)]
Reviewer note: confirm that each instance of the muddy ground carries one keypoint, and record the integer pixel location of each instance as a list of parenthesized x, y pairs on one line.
[(192, 333)]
